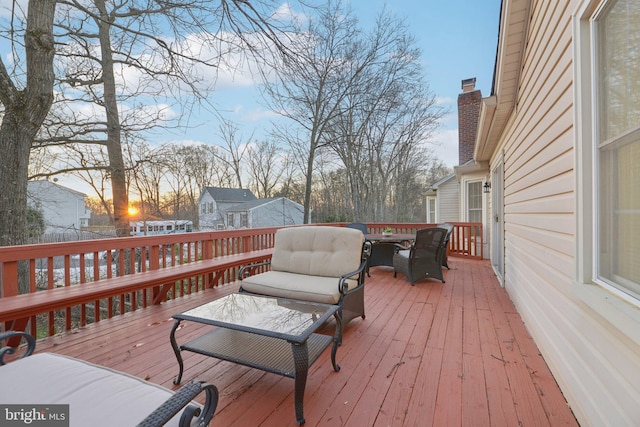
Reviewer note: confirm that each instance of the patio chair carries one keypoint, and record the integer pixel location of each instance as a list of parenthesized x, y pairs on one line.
[(449, 228), (365, 230), (96, 395), (322, 264), (423, 259), (359, 226)]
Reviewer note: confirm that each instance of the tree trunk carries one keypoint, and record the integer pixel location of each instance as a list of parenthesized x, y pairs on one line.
[(114, 144), (24, 113)]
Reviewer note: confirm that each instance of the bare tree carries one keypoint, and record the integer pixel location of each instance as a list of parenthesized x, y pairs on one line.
[(146, 173), (336, 85), (235, 149), (311, 86), (265, 167), (99, 42), (25, 103)]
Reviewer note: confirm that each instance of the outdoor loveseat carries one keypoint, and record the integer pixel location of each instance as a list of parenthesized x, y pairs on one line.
[(321, 264), (95, 395)]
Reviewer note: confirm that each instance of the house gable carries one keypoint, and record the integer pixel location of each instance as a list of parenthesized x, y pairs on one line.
[(63, 208), (214, 201), (269, 212)]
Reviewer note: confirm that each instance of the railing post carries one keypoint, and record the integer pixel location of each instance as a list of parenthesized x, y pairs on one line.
[(9, 285)]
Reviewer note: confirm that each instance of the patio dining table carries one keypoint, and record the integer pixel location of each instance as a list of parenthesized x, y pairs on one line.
[(383, 247)]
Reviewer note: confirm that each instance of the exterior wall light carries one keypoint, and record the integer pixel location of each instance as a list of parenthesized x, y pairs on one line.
[(487, 187)]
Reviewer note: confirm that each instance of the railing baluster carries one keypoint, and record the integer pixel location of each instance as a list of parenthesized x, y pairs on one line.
[(129, 255)]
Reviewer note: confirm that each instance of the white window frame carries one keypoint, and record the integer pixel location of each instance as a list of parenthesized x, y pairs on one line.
[(432, 219), (618, 308), (595, 153), (466, 199)]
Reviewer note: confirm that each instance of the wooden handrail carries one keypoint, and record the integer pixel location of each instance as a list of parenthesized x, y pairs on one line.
[(59, 265)]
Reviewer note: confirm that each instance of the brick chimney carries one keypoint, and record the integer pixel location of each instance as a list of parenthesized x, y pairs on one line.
[(469, 103)]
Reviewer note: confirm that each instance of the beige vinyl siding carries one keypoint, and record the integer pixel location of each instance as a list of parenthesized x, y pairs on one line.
[(448, 201), (596, 367)]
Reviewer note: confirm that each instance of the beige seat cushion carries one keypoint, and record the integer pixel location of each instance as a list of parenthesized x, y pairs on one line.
[(317, 250), (97, 396), (296, 286)]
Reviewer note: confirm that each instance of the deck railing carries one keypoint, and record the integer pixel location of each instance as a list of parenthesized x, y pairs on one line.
[(41, 267)]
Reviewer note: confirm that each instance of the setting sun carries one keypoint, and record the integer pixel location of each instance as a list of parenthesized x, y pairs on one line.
[(132, 210)]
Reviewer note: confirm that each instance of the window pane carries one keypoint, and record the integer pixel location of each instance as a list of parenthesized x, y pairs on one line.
[(474, 202), (620, 216), (432, 210), (618, 68)]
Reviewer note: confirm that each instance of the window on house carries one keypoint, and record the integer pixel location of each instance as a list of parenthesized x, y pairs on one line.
[(230, 222), (617, 120), (431, 209), (244, 220), (474, 201), (203, 208)]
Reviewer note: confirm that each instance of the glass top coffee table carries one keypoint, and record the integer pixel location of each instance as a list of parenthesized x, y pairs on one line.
[(276, 335)]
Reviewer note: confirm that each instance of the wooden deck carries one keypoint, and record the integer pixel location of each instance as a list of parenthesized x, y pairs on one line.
[(456, 354)]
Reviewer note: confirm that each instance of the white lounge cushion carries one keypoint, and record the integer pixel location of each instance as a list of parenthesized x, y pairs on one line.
[(97, 396)]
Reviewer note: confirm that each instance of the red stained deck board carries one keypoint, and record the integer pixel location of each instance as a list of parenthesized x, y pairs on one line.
[(431, 354)]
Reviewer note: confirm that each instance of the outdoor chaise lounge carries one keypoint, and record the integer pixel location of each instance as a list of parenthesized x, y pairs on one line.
[(314, 263), (97, 396)]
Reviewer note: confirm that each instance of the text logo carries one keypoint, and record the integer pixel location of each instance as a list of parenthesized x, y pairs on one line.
[(34, 415)]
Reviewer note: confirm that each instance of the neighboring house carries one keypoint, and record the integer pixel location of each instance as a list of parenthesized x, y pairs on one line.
[(63, 209), (559, 140), (271, 212), (443, 202), (214, 201), (222, 208)]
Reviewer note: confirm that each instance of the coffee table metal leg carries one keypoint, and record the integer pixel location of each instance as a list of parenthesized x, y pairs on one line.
[(301, 363), (337, 341), (176, 350)]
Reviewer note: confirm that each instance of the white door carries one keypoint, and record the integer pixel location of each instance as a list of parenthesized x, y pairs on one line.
[(497, 220)]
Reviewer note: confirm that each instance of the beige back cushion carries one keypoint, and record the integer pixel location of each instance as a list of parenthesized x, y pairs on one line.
[(317, 250)]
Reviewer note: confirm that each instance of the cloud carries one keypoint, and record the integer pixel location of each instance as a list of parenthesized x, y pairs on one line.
[(446, 146), (258, 114), (186, 142), (444, 100), (285, 13)]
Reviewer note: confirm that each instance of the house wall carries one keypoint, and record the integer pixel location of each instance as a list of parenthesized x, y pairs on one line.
[(589, 340), (63, 209), (448, 201), (210, 219), (280, 212)]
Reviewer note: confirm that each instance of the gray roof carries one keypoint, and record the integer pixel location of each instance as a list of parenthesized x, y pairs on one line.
[(230, 194), (43, 185), (249, 205), (259, 202)]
